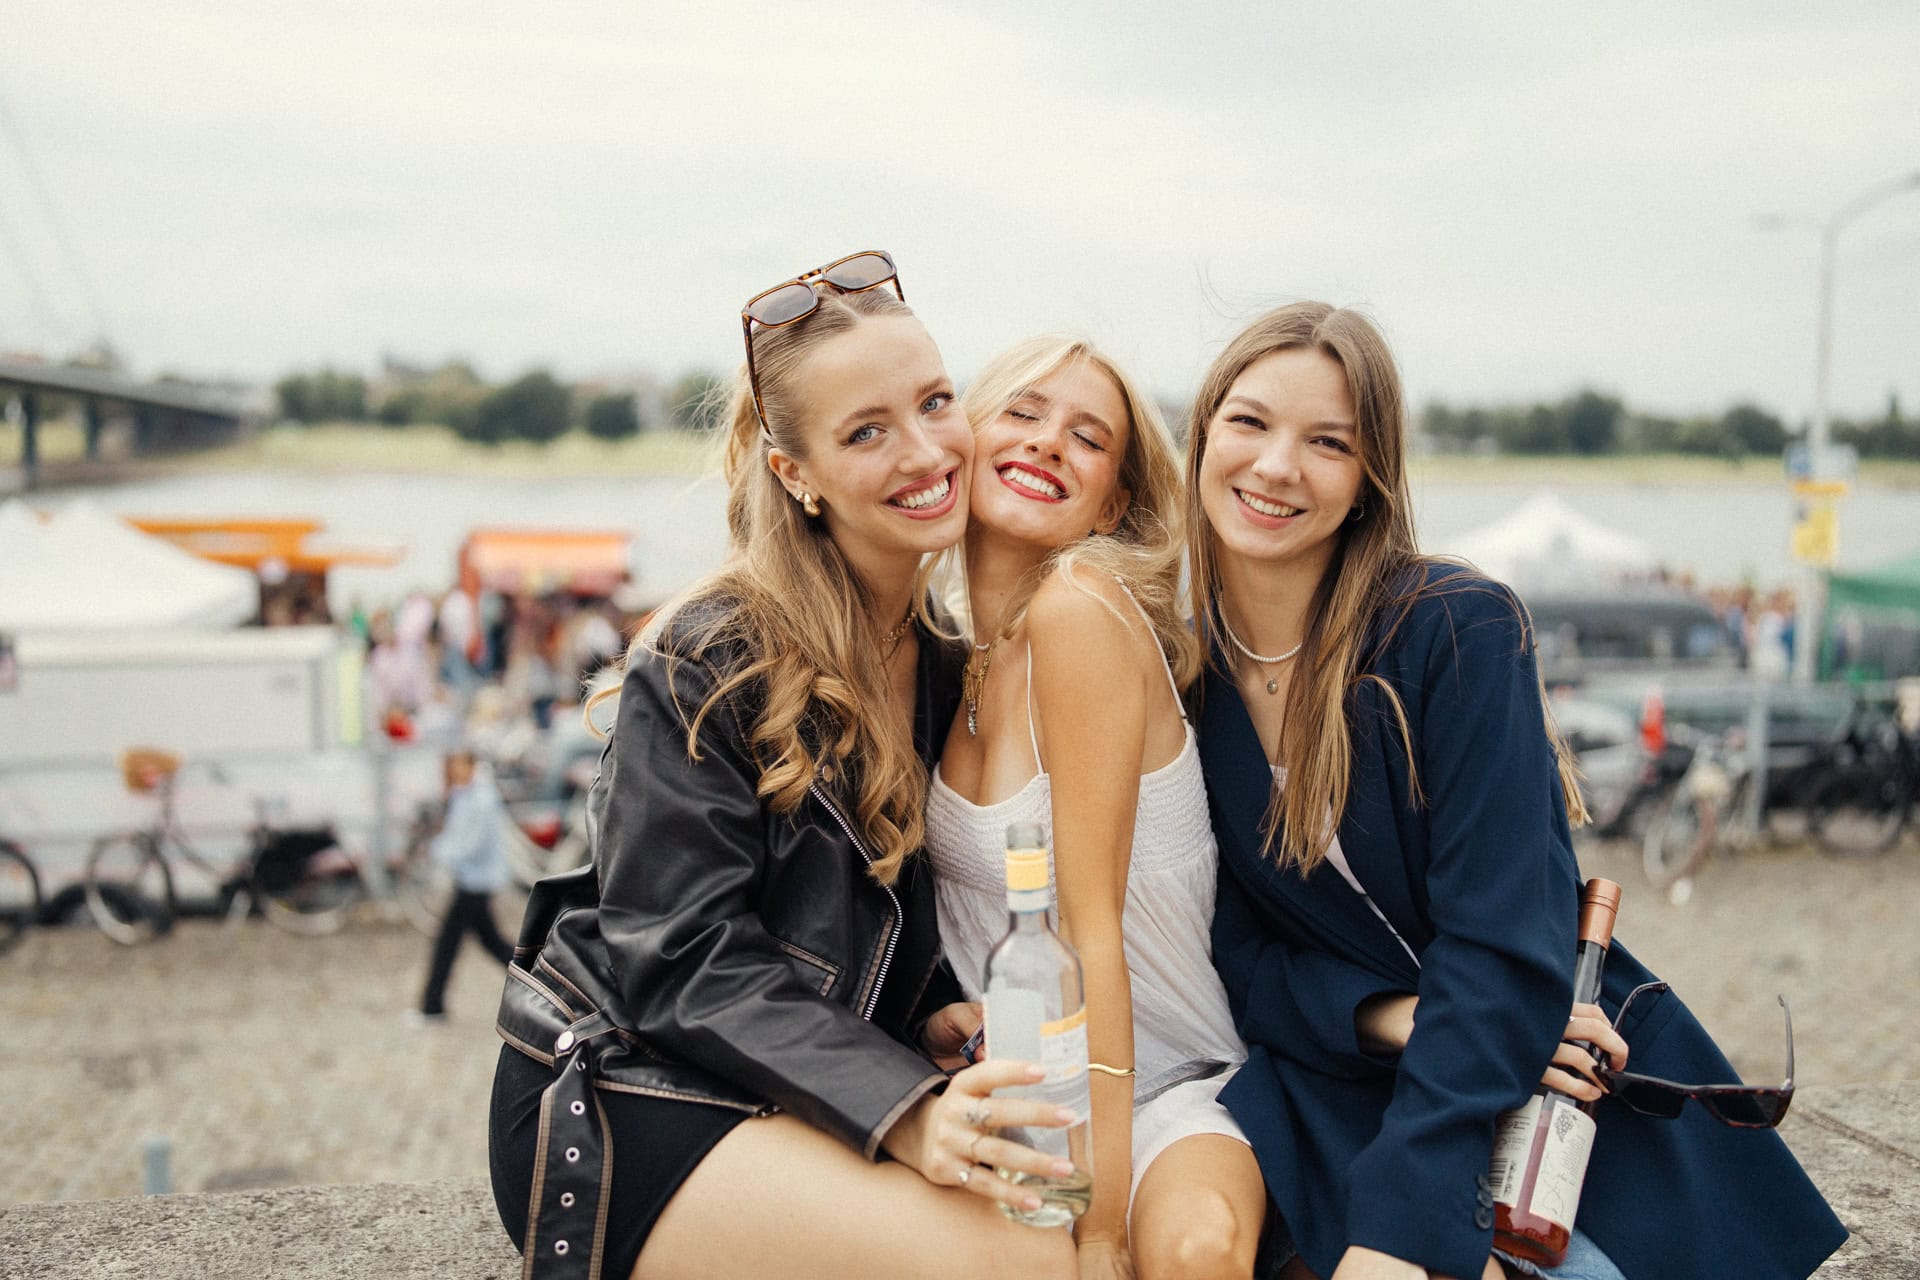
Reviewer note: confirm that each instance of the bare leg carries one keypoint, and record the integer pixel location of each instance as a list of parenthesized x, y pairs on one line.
[(778, 1197), (1198, 1211)]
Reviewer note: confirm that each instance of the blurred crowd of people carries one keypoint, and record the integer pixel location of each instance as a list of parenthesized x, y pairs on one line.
[(436, 664)]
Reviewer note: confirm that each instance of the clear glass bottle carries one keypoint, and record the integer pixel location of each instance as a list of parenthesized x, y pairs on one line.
[(1036, 1011), (1540, 1150)]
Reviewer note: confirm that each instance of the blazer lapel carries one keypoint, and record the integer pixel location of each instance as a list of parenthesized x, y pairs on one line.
[(1240, 785)]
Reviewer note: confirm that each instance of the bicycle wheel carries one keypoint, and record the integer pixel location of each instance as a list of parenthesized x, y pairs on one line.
[(422, 886), (129, 888), (19, 894), (1676, 840), (305, 882), (1860, 812)]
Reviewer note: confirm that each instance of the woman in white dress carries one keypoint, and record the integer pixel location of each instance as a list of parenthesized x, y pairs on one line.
[(1073, 717)]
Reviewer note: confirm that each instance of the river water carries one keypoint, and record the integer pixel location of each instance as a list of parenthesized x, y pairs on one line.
[(1720, 533)]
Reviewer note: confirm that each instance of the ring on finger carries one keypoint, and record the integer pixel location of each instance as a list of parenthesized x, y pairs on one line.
[(973, 1152), (979, 1113)]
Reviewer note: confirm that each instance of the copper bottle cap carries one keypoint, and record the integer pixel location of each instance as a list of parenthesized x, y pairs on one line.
[(1599, 904)]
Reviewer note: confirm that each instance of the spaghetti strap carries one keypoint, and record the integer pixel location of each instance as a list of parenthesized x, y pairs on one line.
[(1165, 666), (1033, 738)]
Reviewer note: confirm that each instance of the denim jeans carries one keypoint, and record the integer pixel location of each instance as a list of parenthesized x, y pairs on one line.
[(1584, 1261)]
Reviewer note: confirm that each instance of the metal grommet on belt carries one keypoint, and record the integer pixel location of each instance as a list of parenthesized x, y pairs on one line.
[(560, 1247), (573, 1155), (578, 1107), (566, 1199)]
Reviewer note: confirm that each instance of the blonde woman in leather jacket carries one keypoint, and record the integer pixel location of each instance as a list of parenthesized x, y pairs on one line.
[(725, 1038)]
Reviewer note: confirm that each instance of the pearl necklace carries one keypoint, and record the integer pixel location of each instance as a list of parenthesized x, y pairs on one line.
[(1273, 682)]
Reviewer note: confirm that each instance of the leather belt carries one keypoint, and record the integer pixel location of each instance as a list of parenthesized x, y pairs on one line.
[(572, 1163)]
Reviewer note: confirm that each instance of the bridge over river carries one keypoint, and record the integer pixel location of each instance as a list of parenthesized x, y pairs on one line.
[(166, 415)]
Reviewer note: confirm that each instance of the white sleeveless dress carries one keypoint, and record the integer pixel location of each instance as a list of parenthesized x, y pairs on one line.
[(1185, 1047)]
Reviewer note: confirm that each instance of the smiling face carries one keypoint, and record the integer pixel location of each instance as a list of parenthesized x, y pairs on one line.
[(1047, 465), (1281, 471), (886, 448)]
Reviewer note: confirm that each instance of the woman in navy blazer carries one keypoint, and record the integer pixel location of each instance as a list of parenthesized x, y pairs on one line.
[(1371, 709)]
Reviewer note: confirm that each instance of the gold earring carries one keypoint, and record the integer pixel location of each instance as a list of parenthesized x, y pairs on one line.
[(809, 505)]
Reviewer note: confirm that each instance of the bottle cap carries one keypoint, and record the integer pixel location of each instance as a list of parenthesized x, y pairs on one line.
[(1599, 905), (1026, 870)]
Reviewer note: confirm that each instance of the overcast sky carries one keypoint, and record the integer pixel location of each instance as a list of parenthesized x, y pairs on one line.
[(1528, 198)]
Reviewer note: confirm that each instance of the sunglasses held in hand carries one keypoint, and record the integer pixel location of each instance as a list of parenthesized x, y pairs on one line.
[(787, 302), (1739, 1105)]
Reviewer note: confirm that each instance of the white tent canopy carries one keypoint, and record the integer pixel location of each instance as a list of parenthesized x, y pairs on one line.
[(1544, 543), (85, 570)]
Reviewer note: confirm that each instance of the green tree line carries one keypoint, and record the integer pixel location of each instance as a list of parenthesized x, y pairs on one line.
[(535, 406), (1590, 422)]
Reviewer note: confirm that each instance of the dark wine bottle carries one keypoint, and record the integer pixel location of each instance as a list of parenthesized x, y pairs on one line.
[(1540, 1150)]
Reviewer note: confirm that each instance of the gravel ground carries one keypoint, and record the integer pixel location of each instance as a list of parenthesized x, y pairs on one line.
[(271, 1060)]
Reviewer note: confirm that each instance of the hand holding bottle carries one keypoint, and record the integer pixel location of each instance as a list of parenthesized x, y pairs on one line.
[(950, 1138), (1571, 1071)]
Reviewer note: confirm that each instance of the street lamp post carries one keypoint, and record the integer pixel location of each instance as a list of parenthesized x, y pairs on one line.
[(1806, 646)]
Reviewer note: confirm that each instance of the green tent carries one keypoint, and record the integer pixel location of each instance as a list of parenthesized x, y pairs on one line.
[(1873, 622), (1894, 586)]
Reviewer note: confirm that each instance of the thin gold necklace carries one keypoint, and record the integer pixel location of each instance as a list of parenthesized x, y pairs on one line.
[(973, 680), (890, 642)]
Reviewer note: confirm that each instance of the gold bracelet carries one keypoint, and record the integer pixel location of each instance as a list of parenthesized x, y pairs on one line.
[(1112, 1071)]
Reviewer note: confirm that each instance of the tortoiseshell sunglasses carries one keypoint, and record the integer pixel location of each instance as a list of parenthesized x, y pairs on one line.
[(792, 299), (1743, 1106)]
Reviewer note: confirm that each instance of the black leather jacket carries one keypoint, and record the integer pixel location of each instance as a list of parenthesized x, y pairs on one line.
[(715, 951)]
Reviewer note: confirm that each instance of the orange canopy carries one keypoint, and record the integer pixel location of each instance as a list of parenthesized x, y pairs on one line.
[(585, 562), (252, 543)]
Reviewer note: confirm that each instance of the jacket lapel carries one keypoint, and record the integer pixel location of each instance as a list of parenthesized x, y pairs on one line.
[(1323, 906)]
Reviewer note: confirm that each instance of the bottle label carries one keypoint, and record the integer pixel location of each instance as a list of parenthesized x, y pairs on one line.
[(1512, 1142), (1563, 1165), (1564, 1140), (1017, 1029)]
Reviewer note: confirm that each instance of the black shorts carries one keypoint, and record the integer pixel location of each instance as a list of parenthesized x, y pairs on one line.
[(657, 1142)]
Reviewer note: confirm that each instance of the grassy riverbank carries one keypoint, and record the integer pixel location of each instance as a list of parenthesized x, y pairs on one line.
[(346, 447)]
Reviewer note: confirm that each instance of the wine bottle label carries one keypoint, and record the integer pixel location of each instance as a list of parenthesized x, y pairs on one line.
[(1563, 1136), (1563, 1165), (1017, 1029), (1512, 1143)]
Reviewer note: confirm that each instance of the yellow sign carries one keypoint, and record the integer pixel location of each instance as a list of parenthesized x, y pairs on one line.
[(1819, 488), (1816, 538)]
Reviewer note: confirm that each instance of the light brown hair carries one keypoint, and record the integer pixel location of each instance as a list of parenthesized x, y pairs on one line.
[(1372, 582), (789, 600)]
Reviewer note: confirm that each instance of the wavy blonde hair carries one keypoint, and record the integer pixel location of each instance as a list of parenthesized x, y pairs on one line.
[(1376, 576), (809, 690), (1144, 549)]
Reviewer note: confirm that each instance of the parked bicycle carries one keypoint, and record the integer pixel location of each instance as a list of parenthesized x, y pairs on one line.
[(20, 899), (1707, 808), (1863, 797), (302, 879)]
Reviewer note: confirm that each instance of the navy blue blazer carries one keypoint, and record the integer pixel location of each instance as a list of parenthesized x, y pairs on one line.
[(1392, 1153)]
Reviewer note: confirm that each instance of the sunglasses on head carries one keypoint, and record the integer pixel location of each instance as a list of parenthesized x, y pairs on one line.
[(792, 299), (1739, 1105)]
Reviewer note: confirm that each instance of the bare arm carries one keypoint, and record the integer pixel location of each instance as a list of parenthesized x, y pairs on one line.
[(1091, 698)]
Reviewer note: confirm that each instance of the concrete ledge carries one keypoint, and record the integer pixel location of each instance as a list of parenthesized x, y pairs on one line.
[(1861, 1144)]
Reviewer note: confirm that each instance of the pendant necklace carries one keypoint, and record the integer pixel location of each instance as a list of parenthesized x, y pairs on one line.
[(972, 680), (1273, 682)]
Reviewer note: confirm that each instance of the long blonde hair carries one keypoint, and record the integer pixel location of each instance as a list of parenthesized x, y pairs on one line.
[(788, 599), (1144, 549), (1371, 584)]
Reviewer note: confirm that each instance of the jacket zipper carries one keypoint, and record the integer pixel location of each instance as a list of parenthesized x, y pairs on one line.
[(893, 927)]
